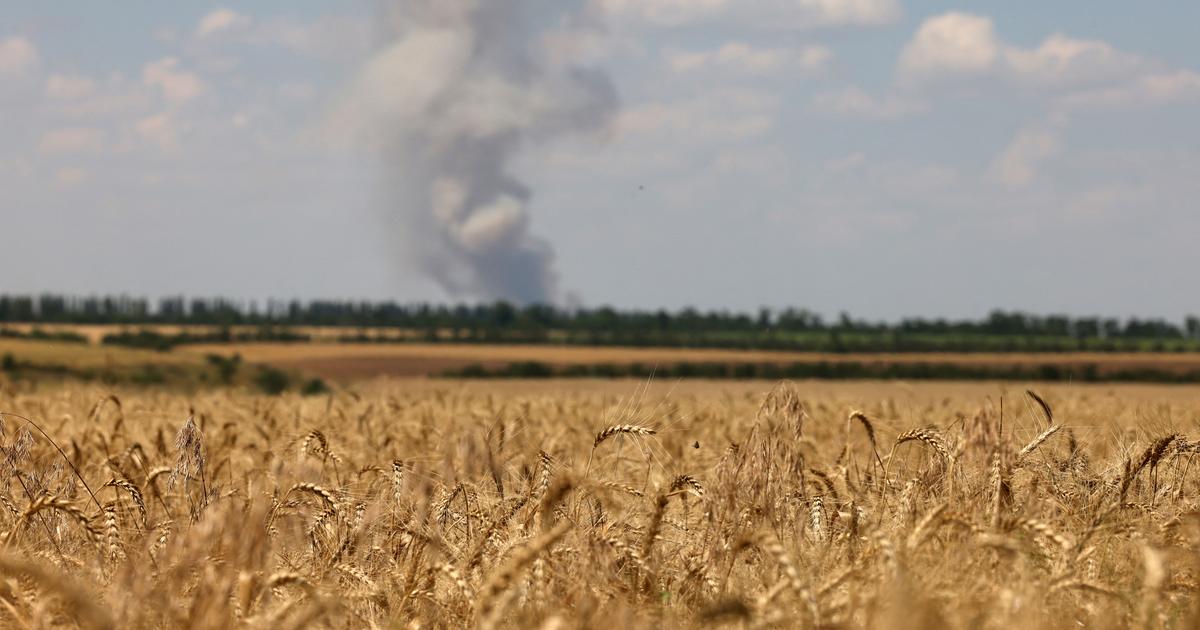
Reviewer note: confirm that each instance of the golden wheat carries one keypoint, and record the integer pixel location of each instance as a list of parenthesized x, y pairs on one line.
[(750, 507)]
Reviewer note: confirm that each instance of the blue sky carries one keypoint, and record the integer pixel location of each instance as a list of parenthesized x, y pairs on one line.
[(885, 157)]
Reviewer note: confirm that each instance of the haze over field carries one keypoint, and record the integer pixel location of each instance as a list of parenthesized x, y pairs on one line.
[(886, 157)]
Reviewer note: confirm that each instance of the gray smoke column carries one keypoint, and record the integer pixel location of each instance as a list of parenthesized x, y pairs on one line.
[(453, 94)]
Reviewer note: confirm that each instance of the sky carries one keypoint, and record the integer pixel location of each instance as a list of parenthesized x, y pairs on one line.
[(887, 158)]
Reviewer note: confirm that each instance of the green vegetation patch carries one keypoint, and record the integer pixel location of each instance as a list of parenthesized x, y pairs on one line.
[(825, 370)]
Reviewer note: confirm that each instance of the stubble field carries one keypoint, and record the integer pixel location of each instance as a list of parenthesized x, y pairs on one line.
[(601, 504)]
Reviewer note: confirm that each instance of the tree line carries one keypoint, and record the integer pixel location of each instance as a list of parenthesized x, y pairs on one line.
[(506, 322)]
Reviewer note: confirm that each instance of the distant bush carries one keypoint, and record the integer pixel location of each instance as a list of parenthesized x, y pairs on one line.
[(314, 387), (8, 363), (529, 369), (272, 381), (153, 340), (41, 335), (830, 370), (606, 370), (472, 371), (143, 339), (226, 367)]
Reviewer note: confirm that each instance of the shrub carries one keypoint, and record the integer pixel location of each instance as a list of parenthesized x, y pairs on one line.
[(227, 367), (530, 369), (314, 387), (272, 381), (147, 339)]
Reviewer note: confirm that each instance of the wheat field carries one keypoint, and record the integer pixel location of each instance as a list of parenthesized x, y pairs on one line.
[(600, 506)]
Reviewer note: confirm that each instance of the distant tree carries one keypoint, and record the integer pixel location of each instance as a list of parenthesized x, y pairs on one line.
[(503, 314), (765, 317)]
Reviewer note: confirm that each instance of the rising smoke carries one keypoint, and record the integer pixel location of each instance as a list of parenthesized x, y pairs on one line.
[(458, 88)]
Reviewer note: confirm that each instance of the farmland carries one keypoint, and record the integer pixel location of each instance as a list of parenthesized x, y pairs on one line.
[(79, 349), (350, 361), (599, 315), (168, 488), (400, 503)]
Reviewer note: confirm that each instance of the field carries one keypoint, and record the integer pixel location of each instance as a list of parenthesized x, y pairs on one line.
[(180, 354), (344, 361), (95, 333), (562, 504), (88, 356)]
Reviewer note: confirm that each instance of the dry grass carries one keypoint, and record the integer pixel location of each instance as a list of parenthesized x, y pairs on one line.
[(410, 505), (89, 356)]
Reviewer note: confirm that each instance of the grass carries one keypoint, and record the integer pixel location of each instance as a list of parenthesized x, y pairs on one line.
[(587, 504)]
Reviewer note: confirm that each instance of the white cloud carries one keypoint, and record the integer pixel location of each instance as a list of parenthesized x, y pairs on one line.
[(1078, 75), (68, 87), (220, 21), (775, 14), (1061, 61), (741, 57), (951, 44), (159, 130), (1017, 166), (178, 86), (721, 117), (854, 102), (17, 56), (1150, 90), (71, 141), (1078, 72)]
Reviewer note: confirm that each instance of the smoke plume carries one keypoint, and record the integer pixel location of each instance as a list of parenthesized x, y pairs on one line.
[(457, 89)]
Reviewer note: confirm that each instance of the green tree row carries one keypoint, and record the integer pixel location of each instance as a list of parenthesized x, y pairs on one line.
[(503, 322)]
